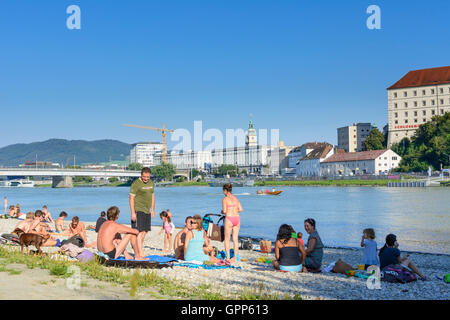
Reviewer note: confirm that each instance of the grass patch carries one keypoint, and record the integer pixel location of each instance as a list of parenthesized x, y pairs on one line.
[(133, 279)]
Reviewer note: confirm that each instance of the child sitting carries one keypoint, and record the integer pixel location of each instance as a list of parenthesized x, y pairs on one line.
[(299, 237), (168, 227), (370, 248)]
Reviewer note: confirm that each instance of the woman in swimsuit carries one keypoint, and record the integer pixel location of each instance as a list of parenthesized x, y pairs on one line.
[(231, 208), (59, 223)]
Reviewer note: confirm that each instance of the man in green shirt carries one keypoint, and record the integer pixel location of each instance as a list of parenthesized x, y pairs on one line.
[(142, 206)]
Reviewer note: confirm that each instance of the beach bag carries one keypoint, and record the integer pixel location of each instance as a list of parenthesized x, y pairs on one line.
[(265, 246), (213, 230), (341, 267), (85, 256), (76, 240), (396, 273), (216, 232)]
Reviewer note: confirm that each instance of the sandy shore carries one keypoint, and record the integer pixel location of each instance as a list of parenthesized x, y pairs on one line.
[(259, 276)]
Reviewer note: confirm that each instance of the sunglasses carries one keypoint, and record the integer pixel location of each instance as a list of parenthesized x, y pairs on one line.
[(193, 222)]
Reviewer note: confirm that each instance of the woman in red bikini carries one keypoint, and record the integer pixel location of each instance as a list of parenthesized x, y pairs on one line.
[(231, 208)]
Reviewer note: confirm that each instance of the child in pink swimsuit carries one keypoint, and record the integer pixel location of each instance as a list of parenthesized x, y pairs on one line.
[(168, 228)]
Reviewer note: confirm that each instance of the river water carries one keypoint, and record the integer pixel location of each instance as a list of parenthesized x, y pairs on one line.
[(420, 217)]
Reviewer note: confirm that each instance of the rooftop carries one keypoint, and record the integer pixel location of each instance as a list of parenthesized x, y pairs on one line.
[(309, 145), (355, 156), (423, 77), (319, 152)]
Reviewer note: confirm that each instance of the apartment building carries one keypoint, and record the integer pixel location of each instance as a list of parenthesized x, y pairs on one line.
[(415, 99), (351, 138)]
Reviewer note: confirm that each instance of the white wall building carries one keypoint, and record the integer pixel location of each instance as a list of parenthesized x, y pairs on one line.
[(186, 159), (300, 152), (366, 162), (415, 99), (145, 153), (351, 138), (309, 166)]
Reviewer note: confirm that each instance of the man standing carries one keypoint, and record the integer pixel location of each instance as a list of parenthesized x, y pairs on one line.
[(142, 206)]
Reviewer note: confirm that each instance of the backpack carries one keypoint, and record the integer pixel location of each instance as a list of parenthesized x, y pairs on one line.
[(246, 244), (397, 273)]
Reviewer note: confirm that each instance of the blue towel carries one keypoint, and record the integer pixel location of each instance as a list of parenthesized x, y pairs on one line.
[(153, 258), (204, 266)]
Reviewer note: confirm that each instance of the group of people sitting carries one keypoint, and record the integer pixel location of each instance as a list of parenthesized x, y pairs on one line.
[(290, 254), (14, 212), (39, 223)]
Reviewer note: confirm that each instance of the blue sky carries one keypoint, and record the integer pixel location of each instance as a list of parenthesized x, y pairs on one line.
[(304, 67)]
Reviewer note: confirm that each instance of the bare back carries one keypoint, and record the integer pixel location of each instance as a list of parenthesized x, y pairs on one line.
[(231, 205)]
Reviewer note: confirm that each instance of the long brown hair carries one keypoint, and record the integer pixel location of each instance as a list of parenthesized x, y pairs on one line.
[(198, 218)]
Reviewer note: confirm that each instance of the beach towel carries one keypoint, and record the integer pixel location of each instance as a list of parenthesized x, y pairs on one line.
[(131, 264), (71, 250), (203, 266), (153, 258)]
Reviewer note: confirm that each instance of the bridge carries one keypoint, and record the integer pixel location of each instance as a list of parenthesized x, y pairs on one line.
[(62, 178)]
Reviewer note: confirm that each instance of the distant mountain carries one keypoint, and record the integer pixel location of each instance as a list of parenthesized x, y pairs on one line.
[(63, 152)]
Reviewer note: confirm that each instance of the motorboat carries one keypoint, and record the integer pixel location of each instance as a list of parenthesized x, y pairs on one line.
[(21, 183), (267, 192)]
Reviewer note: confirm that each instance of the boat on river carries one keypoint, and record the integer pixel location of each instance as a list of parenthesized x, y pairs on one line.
[(21, 183), (272, 193)]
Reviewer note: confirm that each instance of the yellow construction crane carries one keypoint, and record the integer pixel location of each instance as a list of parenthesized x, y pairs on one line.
[(163, 130)]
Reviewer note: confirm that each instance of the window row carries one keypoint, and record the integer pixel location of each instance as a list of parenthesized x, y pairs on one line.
[(424, 92), (424, 103)]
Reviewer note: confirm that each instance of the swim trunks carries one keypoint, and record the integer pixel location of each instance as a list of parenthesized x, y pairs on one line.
[(111, 254)]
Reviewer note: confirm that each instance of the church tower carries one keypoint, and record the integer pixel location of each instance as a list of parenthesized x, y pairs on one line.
[(251, 139)]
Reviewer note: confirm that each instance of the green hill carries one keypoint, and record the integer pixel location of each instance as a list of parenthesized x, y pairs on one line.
[(63, 152)]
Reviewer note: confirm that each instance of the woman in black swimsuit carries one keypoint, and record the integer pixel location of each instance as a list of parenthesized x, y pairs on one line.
[(288, 251)]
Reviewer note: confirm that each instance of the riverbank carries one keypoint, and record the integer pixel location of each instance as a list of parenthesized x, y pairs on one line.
[(322, 183), (254, 280)]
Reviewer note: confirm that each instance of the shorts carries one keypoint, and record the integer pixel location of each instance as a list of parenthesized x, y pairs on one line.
[(143, 222), (296, 268)]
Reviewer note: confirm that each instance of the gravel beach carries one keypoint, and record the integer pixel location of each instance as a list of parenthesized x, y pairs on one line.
[(262, 278)]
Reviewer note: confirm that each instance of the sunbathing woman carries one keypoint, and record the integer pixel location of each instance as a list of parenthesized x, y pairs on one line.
[(231, 208)]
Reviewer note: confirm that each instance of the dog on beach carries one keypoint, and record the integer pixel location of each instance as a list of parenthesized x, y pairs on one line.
[(37, 240)]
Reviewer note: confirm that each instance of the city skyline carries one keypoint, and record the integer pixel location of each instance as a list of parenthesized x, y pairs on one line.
[(306, 69)]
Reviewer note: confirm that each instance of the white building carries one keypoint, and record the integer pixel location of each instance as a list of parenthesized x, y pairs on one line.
[(351, 138), (366, 162), (415, 99), (251, 157), (300, 152), (309, 166), (277, 158), (186, 159), (145, 153)]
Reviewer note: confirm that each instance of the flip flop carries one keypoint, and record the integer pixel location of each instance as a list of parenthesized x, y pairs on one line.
[(221, 263)]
